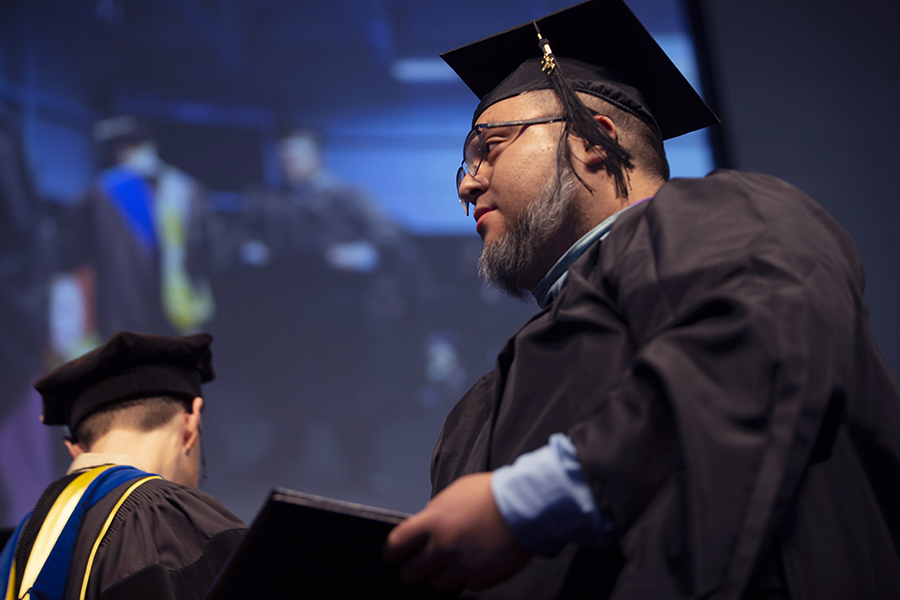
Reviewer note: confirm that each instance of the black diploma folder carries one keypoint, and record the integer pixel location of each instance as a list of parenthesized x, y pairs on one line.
[(305, 546)]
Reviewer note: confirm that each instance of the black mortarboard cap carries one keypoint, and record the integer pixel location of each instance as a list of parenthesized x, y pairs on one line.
[(602, 49), (128, 366)]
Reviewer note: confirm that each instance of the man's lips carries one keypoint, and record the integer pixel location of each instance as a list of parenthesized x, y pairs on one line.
[(479, 213)]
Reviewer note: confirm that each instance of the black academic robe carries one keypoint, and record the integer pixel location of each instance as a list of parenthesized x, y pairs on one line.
[(334, 344), (318, 305), (713, 363), (166, 542), (128, 273)]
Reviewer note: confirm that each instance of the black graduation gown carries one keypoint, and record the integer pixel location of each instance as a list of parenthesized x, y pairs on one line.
[(167, 541), (713, 363)]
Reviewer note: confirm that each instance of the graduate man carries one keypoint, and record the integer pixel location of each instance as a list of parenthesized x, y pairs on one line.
[(127, 520), (699, 409)]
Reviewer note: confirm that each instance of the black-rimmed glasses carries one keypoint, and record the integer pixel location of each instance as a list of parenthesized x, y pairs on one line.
[(473, 150)]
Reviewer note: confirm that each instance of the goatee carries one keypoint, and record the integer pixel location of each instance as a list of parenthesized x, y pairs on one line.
[(507, 261)]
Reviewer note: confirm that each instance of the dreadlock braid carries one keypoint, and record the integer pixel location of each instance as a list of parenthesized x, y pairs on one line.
[(580, 121)]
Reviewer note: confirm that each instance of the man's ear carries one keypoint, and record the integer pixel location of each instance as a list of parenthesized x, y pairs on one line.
[(75, 448), (595, 156), (191, 431)]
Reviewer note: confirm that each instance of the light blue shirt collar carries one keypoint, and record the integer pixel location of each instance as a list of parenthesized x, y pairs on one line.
[(549, 287)]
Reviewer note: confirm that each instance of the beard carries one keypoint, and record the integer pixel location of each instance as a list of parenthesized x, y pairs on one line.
[(507, 261)]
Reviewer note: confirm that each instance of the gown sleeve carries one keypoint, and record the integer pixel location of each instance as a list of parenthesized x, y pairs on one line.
[(167, 541)]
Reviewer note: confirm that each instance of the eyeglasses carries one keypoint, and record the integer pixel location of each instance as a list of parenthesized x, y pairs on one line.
[(473, 150)]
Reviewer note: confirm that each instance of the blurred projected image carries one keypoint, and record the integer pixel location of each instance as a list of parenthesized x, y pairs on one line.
[(323, 306), (279, 174), (134, 229)]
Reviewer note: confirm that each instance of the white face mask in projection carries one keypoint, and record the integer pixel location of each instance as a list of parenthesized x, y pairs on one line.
[(143, 158), (300, 158)]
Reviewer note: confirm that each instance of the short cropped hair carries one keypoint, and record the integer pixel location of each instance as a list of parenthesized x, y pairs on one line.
[(642, 141), (140, 414)]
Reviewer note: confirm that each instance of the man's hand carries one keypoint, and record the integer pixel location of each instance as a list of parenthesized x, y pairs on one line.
[(458, 540)]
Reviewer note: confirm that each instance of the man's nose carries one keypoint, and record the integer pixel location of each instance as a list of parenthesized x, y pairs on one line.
[(471, 187)]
